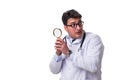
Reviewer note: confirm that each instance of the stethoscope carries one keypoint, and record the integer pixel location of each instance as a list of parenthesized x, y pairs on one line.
[(57, 32), (82, 41)]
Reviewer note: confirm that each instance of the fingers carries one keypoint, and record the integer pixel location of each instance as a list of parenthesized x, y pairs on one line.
[(61, 46), (58, 44), (59, 40), (58, 49)]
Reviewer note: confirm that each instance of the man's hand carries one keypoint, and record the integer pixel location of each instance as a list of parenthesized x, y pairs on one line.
[(61, 47)]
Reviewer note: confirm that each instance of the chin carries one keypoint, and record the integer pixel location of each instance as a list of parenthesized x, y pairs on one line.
[(78, 36)]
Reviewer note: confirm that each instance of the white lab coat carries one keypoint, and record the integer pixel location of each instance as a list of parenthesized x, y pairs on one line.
[(84, 64)]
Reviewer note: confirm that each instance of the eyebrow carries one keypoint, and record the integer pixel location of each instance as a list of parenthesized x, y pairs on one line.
[(75, 22), (72, 22)]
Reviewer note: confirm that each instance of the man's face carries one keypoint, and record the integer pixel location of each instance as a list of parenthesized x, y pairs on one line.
[(74, 27)]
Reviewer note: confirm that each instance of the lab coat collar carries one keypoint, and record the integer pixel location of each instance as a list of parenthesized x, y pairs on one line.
[(78, 40)]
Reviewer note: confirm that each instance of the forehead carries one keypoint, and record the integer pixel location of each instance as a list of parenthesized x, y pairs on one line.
[(71, 20)]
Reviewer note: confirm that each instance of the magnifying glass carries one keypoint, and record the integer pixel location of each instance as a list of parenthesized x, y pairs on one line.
[(57, 32)]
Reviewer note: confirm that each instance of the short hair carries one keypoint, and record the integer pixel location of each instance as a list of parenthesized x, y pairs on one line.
[(70, 14)]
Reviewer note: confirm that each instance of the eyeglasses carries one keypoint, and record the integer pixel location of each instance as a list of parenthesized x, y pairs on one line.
[(74, 25)]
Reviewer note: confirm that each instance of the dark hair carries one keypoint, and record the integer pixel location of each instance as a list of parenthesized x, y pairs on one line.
[(70, 14)]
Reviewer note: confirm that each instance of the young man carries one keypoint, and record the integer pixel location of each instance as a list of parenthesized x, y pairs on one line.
[(79, 55)]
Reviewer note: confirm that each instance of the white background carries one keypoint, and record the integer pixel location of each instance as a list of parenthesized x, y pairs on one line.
[(27, 42)]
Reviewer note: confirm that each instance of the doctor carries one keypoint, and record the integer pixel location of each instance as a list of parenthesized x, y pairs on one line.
[(79, 55)]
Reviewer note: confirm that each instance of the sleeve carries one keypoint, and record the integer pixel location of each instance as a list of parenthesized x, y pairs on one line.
[(55, 64), (91, 60)]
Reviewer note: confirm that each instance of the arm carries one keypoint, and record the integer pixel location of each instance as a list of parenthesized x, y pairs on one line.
[(61, 52), (55, 64), (91, 60)]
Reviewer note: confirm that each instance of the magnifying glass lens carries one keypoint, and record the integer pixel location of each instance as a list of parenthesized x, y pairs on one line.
[(57, 32)]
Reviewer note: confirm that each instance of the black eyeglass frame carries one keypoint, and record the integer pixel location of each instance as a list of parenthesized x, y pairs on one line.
[(74, 25)]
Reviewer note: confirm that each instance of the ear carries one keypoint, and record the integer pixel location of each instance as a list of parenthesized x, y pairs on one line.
[(66, 29)]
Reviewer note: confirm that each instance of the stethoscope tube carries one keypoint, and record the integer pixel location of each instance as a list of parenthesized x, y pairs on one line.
[(82, 41)]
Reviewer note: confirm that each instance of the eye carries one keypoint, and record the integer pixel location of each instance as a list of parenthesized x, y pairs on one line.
[(73, 25)]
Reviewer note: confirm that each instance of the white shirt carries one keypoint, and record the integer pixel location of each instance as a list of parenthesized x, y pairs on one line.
[(82, 64)]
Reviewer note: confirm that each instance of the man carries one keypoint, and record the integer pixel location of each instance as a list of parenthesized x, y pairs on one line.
[(79, 55)]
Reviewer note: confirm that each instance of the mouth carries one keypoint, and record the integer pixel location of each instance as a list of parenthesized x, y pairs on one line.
[(79, 32)]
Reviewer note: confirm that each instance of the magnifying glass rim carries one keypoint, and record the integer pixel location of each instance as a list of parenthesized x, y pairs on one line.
[(59, 30)]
